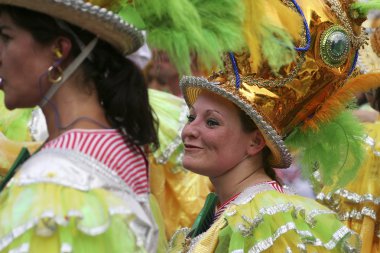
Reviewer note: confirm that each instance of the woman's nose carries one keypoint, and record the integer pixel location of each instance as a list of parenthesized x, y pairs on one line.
[(191, 130)]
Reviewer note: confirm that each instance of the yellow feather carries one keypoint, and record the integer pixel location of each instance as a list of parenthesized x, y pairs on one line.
[(288, 19), (258, 14), (254, 16)]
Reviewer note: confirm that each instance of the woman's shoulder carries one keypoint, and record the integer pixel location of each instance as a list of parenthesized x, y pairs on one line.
[(59, 194), (69, 168), (262, 218)]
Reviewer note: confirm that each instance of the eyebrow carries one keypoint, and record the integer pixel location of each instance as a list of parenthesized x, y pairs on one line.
[(209, 111)]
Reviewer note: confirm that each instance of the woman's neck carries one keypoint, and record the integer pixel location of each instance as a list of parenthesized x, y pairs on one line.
[(70, 109), (237, 179)]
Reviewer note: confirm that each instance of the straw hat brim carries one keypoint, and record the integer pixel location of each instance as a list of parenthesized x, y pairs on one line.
[(280, 156), (103, 23)]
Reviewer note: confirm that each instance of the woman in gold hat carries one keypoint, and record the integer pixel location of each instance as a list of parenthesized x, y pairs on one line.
[(86, 189), (272, 100)]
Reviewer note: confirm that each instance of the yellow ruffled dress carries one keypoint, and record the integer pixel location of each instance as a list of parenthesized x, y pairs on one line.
[(358, 203), (64, 201), (180, 193), (262, 219)]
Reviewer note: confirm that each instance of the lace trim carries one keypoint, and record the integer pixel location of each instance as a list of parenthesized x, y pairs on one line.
[(334, 199), (87, 164), (266, 244), (252, 224), (372, 143), (250, 193), (358, 214)]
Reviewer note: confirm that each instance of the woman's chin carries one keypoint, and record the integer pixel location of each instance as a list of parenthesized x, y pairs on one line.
[(193, 166)]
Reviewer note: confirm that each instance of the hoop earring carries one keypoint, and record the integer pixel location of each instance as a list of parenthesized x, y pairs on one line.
[(55, 74)]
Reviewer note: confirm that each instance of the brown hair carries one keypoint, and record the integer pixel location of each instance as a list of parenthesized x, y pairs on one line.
[(249, 126)]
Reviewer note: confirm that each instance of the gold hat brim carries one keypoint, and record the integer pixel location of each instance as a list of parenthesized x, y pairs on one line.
[(191, 88), (105, 24)]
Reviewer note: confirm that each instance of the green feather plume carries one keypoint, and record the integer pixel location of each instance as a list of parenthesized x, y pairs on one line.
[(221, 27), (361, 9), (336, 149), (183, 27), (277, 47)]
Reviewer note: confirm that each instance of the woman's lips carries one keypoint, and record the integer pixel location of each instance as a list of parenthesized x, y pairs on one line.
[(191, 147)]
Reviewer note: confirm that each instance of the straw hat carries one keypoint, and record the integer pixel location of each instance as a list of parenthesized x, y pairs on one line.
[(96, 16)]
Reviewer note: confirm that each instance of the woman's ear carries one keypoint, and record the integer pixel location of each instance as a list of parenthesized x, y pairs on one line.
[(61, 48), (257, 143)]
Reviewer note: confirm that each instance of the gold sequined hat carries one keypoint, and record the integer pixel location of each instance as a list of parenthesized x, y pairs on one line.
[(97, 16), (300, 92)]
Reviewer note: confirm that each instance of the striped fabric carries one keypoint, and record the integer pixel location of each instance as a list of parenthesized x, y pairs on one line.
[(110, 148), (276, 186), (220, 209)]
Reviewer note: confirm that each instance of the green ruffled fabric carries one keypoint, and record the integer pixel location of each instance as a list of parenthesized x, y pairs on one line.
[(171, 112), (265, 220), (274, 222), (50, 218)]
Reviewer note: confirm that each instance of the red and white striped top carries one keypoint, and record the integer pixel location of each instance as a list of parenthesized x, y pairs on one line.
[(275, 186), (109, 147), (223, 206), (220, 209)]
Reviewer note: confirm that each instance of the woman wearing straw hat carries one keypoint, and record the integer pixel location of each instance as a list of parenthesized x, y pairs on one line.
[(90, 177), (245, 119)]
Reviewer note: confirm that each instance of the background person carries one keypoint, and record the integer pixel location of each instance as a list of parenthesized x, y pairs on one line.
[(358, 202)]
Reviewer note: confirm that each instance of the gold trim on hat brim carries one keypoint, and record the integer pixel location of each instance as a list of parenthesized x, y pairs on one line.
[(192, 86), (103, 23)]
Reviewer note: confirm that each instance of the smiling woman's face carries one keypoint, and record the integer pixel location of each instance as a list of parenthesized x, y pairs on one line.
[(213, 138), (23, 62)]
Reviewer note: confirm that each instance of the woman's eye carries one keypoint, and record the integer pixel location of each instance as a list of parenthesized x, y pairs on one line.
[(335, 46), (4, 37), (212, 122), (190, 118)]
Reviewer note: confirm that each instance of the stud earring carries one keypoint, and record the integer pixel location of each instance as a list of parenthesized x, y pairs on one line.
[(58, 53), (55, 71)]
